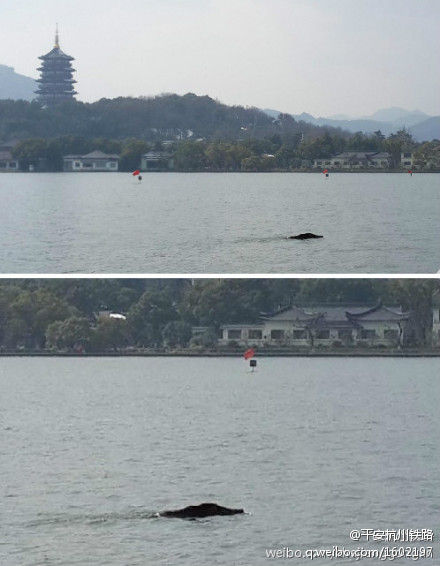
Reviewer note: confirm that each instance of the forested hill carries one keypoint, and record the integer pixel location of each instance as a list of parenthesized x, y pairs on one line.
[(167, 116)]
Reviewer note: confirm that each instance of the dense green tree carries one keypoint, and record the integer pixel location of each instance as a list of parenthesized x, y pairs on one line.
[(37, 309), (54, 155), (235, 155), (286, 157), (256, 163), (107, 145), (149, 314), (259, 147), (190, 156), (328, 291), (131, 155), (30, 152), (216, 155), (428, 155), (110, 334), (396, 143), (362, 142), (415, 296), (16, 334), (8, 294), (176, 333), (69, 334), (75, 145), (92, 295), (213, 302)]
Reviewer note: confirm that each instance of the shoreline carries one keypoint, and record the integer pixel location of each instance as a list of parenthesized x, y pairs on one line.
[(386, 171), (227, 354)]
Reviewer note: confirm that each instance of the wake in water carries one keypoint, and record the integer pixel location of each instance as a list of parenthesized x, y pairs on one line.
[(276, 238), (92, 518), (191, 512)]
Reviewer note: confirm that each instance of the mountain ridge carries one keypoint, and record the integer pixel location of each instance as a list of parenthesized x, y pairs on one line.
[(15, 86), (422, 126)]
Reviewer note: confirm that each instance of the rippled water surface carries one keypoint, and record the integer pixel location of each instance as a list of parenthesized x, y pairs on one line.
[(219, 223), (311, 448)]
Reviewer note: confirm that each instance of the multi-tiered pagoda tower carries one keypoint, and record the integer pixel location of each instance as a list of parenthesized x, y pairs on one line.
[(56, 82)]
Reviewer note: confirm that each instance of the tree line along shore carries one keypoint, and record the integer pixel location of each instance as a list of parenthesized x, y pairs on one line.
[(249, 155), (222, 353), (160, 316)]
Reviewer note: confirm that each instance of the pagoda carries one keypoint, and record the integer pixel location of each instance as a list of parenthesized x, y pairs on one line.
[(56, 82)]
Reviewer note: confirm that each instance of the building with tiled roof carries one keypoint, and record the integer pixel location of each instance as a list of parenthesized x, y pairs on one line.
[(157, 161), (93, 161), (322, 325), (436, 319), (7, 161), (355, 160)]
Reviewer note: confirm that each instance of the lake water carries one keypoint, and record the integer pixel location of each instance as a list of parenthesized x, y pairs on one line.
[(311, 447), (219, 223)]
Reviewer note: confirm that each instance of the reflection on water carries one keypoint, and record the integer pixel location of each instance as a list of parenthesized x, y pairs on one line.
[(219, 223), (311, 448)]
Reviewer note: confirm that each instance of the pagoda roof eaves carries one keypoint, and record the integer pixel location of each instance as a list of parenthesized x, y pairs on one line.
[(56, 53)]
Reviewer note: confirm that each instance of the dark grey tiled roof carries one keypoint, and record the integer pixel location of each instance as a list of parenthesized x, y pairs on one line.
[(100, 155), (289, 313), (56, 53), (379, 313), (343, 315), (336, 313), (93, 155), (362, 155)]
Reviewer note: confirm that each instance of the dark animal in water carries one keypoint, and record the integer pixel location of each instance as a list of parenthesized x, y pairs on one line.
[(202, 510), (305, 236)]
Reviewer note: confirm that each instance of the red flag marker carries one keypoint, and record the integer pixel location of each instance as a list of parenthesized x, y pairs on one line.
[(250, 353), (136, 172)]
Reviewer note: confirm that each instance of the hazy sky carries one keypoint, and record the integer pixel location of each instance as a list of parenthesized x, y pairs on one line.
[(317, 56)]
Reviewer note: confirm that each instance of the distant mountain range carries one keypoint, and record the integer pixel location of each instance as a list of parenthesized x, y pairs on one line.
[(427, 130), (388, 120), (15, 86)]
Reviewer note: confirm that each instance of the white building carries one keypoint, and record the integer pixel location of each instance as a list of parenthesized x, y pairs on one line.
[(94, 161), (407, 160), (110, 314), (322, 325), (436, 320), (7, 162), (355, 160), (157, 161)]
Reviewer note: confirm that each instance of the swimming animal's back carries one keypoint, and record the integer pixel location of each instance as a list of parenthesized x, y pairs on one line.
[(305, 236), (202, 510)]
